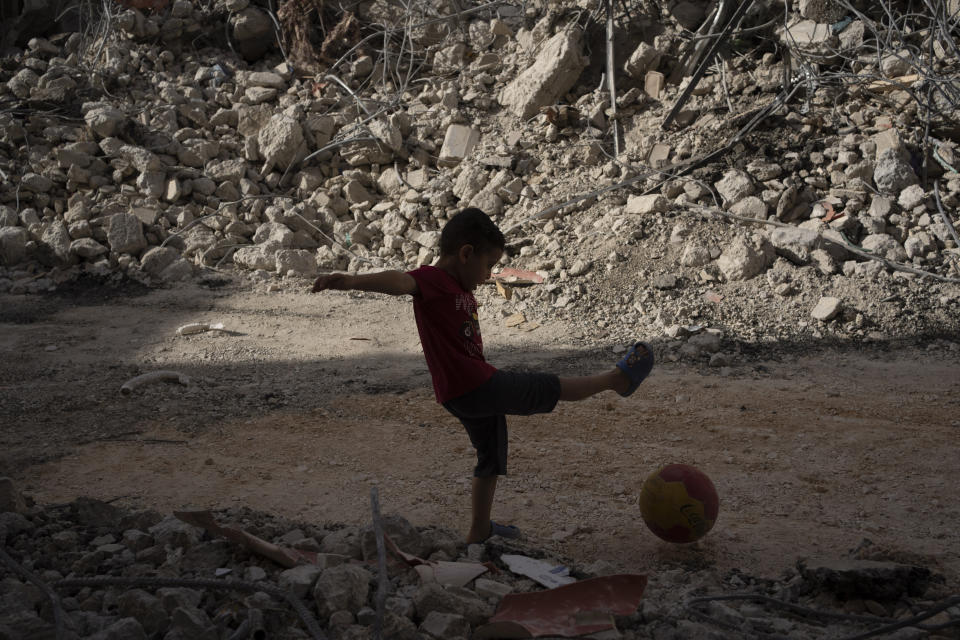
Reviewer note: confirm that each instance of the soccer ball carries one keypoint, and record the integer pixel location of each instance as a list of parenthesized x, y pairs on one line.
[(679, 503)]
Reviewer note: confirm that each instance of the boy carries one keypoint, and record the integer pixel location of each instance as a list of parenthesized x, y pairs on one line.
[(476, 393)]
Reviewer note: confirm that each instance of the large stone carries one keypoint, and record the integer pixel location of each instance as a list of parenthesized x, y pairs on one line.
[(645, 58), (157, 259), (553, 73), (300, 579), (252, 33), (745, 258), (456, 600), (232, 170), (344, 587), (750, 207), (143, 160), (125, 233), (87, 248), (885, 246), (122, 629), (175, 533), (893, 173), (298, 261), (735, 186), (827, 308), (146, 608), (55, 242), (445, 625), (652, 203), (13, 245), (281, 142), (105, 121), (795, 244), (266, 79), (404, 534), (274, 234), (255, 258), (36, 183)]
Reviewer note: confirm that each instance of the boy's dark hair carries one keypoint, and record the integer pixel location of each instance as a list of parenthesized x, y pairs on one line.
[(470, 226)]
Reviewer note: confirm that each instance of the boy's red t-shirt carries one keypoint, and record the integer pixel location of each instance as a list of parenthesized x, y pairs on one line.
[(449, 329)]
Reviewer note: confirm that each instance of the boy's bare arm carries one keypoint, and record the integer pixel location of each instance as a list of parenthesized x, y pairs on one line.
[(395, 283)]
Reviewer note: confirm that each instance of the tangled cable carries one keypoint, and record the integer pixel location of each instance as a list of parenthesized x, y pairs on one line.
[(890, 626)]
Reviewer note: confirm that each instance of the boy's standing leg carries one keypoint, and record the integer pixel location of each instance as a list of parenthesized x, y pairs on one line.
[(482, 492)]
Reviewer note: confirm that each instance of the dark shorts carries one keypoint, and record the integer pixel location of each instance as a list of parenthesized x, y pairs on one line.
[(483, 412)]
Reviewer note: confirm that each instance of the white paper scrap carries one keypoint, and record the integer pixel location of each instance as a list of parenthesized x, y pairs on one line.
[(549, 575)]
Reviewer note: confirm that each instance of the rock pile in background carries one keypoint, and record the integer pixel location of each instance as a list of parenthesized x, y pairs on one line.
[(160, 150), (174, 574)]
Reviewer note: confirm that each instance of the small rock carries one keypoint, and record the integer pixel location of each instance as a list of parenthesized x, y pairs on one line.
[(826, 309)]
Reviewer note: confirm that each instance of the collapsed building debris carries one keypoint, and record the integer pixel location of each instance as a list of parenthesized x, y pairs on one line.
[(128, 152), (89, 569)]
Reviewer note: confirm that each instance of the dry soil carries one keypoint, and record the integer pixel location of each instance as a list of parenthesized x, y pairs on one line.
[(305, 401)]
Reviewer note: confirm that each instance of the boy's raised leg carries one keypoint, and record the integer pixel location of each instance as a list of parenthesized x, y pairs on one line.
[(580, 388), (483, 490)]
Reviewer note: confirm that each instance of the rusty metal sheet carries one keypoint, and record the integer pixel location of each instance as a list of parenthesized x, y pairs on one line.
[(572, 610)]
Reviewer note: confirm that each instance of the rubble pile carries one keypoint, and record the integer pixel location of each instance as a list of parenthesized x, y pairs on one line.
[(168, 581), (182, 140)]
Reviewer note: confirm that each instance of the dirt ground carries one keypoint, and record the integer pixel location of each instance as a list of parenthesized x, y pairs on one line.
[(306, 401)]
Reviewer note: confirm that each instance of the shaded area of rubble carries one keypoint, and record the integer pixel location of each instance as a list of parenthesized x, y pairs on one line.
[(83, 560), (161, 142)]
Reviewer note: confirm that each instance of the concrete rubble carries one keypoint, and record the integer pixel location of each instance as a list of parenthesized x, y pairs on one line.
[(207, 158), (87, 539)]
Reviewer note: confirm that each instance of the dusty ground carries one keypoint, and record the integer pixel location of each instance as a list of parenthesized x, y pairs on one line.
[(308, 400)]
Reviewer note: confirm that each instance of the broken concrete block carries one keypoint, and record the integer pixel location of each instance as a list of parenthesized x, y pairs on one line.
[(745, 258), (645, 58), (457, 143), (87, 248), (105, 121), (795, 244), (445, 625), (13, 245), (884, 246), (342, 587), (653, 203), (659, 155), (299, 580), (653, 84), (553, 73), (125, 233), (456, 600), (892, 173), (281, 142), (298, 261), (735, 186)]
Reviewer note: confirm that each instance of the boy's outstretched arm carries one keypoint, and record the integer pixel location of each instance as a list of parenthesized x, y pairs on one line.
[(395, 283)]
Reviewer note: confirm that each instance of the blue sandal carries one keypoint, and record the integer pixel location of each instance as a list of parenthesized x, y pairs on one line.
[(503, 530), (637, 364)]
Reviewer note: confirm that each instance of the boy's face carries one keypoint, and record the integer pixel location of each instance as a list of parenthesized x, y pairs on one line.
[(477, 265)]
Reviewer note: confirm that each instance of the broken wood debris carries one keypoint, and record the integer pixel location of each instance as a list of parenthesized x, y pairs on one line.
[(152, 378)]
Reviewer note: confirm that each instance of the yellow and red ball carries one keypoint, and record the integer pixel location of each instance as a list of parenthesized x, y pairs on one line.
[(679, 503)]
